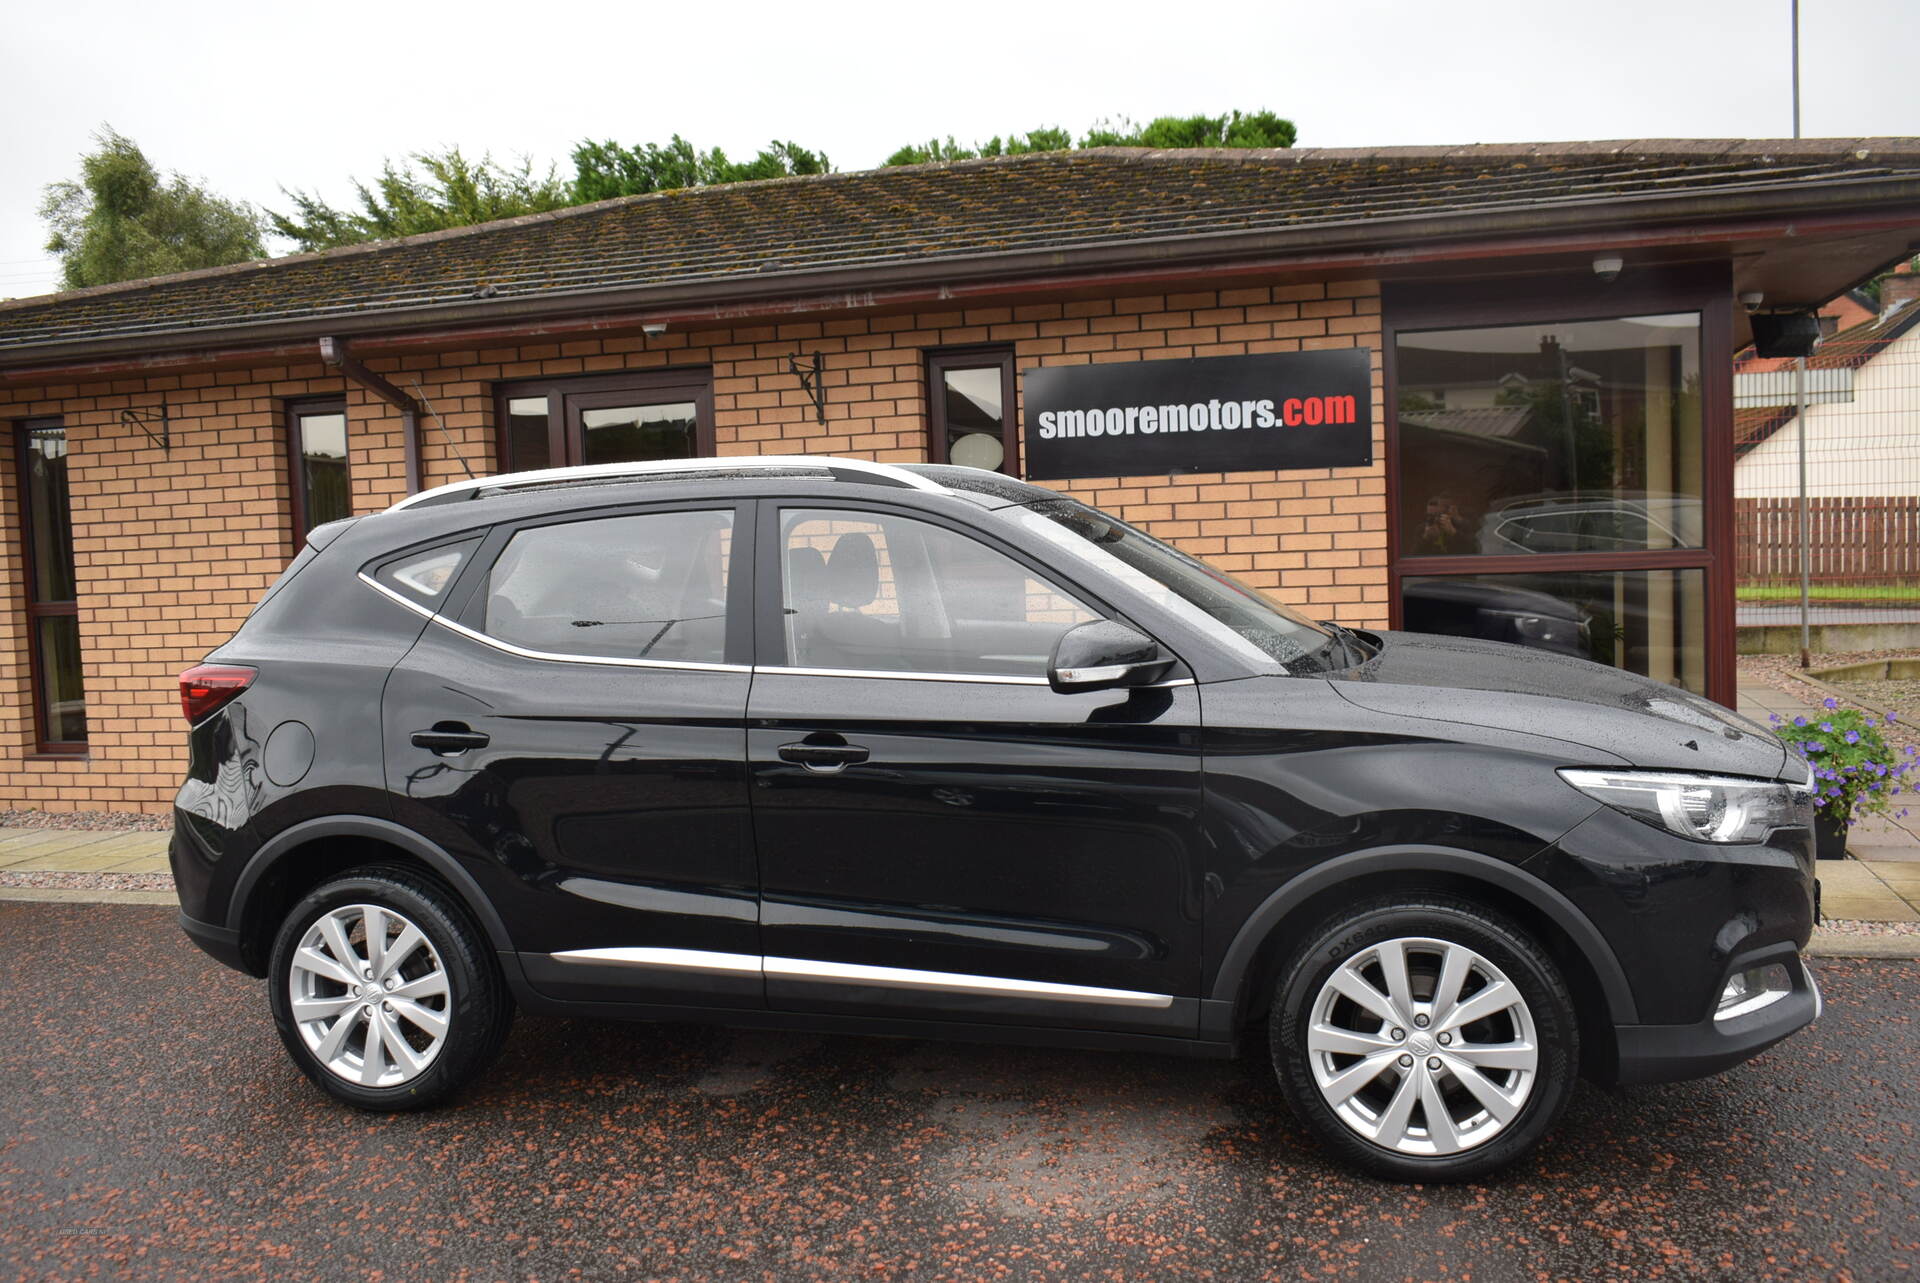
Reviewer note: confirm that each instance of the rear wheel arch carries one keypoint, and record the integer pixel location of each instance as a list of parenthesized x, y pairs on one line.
[(1270, 933), (300, 858)]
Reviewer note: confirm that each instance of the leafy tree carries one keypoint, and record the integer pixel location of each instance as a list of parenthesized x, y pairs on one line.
[(1235, 129), (607, 169), (452, 192), (122, 220), (1014, 145)]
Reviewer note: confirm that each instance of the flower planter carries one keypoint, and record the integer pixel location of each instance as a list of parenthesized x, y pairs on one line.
[(1829, 836)]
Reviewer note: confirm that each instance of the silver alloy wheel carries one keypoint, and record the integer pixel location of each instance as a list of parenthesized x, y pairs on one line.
[(1422, 1046), (370, 995)]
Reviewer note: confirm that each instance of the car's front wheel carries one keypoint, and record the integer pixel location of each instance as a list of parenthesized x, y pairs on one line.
[(1424, 1038), (384, 991)]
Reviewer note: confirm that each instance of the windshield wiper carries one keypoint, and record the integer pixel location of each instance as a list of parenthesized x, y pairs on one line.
[(1356, 650)]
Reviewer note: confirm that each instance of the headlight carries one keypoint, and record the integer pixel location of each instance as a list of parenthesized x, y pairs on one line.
[(1700, 808)]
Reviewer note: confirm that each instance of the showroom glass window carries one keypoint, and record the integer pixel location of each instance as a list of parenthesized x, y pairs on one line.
[(53, 612), (637, 417), (317, 454), (1551, 487), (970, 404)]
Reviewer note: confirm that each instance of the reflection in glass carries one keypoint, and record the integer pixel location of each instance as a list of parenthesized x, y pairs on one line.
[(890, 594), (1579, 436), (52, 514), (527, 440), (323, 468), (975, 416), (650, 587), (61, 692), (1651, 622), (639, 433)]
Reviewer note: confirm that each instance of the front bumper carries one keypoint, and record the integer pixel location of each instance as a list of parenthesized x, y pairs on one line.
[(1671, 1053)]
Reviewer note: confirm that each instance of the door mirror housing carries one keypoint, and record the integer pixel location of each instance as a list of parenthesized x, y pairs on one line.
[(1104, 654)]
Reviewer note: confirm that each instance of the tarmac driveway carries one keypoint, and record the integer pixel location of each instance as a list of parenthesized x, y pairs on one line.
[(152, 1127)]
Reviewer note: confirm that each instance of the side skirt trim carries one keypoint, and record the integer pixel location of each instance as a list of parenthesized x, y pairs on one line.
[(860, 974)]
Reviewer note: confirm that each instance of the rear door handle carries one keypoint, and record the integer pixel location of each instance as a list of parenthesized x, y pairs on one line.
[(451, 737), (823, 757)]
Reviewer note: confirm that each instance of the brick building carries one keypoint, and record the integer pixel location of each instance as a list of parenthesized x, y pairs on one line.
[(1551, 327)]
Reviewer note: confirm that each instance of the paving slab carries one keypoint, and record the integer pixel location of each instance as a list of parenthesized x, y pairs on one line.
[(58, 861)]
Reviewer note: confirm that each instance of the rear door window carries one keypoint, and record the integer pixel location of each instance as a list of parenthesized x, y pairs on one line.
[(651, 586)]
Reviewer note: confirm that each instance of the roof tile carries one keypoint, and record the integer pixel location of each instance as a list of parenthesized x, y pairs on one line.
[(928, 214)]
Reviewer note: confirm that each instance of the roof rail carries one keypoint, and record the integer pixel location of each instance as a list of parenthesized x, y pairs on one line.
[(843, 469)]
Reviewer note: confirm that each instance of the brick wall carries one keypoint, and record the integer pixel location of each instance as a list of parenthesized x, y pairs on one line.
[(172, 548)]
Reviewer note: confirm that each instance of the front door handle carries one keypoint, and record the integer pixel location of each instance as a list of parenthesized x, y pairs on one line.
[(451, 737), (824, 758)]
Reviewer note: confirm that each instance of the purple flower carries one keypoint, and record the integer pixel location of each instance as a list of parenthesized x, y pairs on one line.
[(1891, 718), (1799, 721), (1829, 702), (1827, 727), (1834, 791), (1853, 737)]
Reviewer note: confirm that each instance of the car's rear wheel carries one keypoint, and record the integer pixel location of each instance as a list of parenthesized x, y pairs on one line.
[(1425, 1039), (384, 992)]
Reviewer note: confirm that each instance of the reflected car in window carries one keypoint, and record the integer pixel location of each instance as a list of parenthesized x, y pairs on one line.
[(1604, 523)]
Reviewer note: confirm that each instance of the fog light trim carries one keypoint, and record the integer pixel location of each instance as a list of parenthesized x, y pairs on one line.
[(1753, 989)]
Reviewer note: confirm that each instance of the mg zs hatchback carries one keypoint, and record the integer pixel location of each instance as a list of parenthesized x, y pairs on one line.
[(927, 751)]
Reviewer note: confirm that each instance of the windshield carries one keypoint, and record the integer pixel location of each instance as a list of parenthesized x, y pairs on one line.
[(1260, 628)]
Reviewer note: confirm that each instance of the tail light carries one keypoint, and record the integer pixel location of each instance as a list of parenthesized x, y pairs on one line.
[(206, 687)]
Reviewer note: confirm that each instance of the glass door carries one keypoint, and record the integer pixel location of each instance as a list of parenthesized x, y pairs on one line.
[(620, 418), (1553, 484)]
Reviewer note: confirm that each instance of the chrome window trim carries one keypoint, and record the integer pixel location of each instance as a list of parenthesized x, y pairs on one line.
[(781, 670), (418, 608), (555, 657), (860, 974), (1000, 679), (986, 678), (474, 634)]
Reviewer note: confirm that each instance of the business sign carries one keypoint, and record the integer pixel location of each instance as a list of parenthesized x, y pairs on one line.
[(1214, 414)]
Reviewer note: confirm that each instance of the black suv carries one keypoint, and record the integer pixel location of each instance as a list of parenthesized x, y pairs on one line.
[(927, 751)]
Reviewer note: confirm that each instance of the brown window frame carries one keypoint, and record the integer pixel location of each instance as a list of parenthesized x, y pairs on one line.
[(36, 609), (1702, 289), (979, 357), (294, 411), (566, 442)]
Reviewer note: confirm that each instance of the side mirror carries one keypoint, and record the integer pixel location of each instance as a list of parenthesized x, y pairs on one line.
[(1103, 654)]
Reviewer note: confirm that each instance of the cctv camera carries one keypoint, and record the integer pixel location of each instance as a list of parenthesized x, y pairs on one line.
[(1752, 301), (1607, 266), (654, 329)]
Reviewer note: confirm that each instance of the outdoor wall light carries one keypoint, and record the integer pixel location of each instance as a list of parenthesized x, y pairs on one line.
[(1607, 266)]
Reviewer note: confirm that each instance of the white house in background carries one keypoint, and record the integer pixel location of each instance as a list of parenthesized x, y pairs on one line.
[(1863, 416)]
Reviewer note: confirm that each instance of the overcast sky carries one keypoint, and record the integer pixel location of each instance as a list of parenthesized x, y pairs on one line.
[(254, 96)]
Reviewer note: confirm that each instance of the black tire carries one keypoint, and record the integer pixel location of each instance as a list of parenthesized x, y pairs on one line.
[(1453, 920), (477, 1006)]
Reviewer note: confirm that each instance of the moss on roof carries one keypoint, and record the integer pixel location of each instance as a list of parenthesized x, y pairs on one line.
[(928, 215)]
